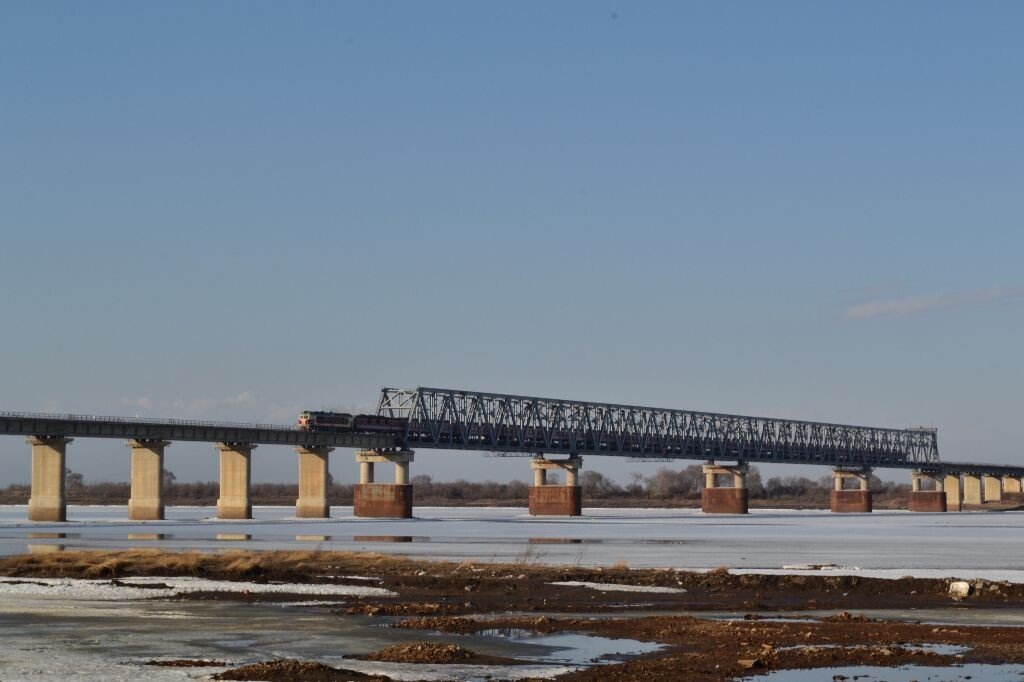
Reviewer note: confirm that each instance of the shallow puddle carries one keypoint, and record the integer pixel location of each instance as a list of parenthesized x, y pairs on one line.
[(573, 648)]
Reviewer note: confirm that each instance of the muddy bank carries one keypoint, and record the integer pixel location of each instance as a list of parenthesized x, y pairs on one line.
[(467, 598), (447, 588), (284, 670), (432, 652), (715, 651)]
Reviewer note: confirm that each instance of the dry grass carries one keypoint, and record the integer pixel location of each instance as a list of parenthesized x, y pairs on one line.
[(236, 565)]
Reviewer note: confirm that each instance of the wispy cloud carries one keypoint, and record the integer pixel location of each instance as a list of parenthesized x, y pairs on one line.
[(902, 307)]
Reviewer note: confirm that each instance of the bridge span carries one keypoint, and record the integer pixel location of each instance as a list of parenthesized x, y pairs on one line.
[(555, 433)]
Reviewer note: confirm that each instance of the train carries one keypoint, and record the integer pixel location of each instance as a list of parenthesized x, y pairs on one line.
[(311, 420)]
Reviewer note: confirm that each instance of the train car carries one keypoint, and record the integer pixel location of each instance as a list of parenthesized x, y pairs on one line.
[(372, 422), (342, 421)]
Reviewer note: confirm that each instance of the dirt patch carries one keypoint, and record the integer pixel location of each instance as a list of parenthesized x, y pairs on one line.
[(186, 663), (432, 652), (716, 651), (287, 669)]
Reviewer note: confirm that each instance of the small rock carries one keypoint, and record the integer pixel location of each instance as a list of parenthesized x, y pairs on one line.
[(751, 663)]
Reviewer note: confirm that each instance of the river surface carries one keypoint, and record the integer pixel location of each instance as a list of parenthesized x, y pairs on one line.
[(885, 543), (83, 633)]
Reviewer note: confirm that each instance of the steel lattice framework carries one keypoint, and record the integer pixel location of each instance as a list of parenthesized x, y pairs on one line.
[(467, 420)]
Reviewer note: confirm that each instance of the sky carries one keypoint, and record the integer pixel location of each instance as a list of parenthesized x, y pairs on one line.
[(239, 210)]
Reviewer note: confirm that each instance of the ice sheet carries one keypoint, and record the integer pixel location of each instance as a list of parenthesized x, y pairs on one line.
[(885, 543)]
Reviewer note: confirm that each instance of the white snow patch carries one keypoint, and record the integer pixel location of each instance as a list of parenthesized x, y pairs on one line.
[(132, 588), (614, 587), (452, 672)]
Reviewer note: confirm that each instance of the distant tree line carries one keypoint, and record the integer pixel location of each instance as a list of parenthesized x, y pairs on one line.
[(666, 487)]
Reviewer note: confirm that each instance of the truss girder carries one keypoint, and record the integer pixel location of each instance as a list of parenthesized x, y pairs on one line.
[(467, 420)]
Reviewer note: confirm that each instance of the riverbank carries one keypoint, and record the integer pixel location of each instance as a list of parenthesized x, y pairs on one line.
[(760, 622)]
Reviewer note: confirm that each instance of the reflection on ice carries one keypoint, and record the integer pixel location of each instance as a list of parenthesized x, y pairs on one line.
[(234, 536), (386, 538), (41, 548)]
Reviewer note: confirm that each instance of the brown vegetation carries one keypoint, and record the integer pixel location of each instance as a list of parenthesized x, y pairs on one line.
[(665, 488), (448, 588)]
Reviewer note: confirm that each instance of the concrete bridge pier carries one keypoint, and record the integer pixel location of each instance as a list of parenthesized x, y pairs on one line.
[(556, 500), (147, 500), (1012, 489), (235, 475), (383, 500), (47, 501), (725, 500), (851, 501), (313, 477), (954, 493), (993, 488), (926, 500), (972, 489)]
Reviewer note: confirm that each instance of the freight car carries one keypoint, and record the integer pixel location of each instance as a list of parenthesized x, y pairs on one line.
[(342, 421)]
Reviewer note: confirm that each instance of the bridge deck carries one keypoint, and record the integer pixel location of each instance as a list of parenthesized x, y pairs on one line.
[(80, 426)]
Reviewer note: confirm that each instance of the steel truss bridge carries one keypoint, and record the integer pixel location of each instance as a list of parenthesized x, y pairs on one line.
[(510, 424), (468, 420)]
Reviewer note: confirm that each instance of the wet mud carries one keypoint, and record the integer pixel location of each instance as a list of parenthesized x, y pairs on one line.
[(468, 598)]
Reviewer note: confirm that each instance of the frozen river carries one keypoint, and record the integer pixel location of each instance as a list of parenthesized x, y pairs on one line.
[(886, 543)]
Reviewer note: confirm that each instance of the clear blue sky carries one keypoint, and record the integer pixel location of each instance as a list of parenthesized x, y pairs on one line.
[(237, 210)]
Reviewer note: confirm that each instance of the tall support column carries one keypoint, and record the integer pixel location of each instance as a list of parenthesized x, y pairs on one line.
[(365, 472), (313, 477), (993, 488), (954, 495), (556, 500), (926, 500), (1012, 489), (717, 500), (851, 501), (147, 500), (383, 500), (972, 489), (235, 475), (47, 501)]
